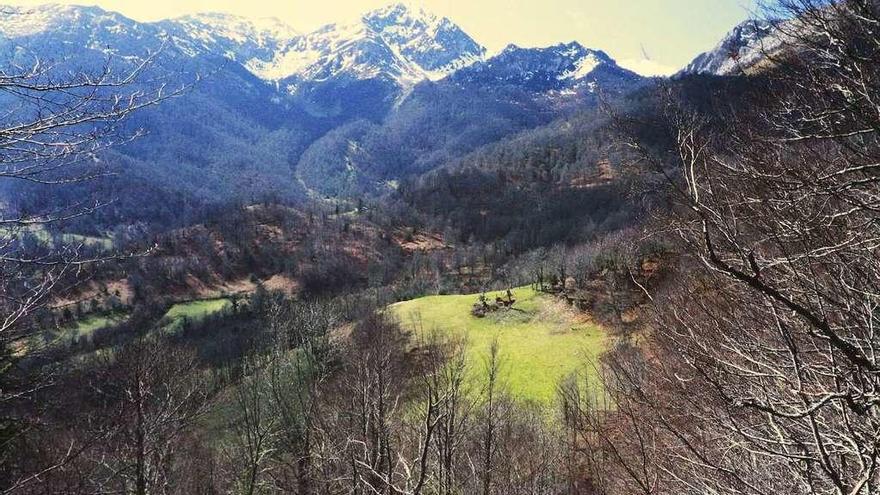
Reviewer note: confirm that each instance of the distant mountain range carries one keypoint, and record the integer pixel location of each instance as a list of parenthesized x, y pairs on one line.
[(346, 109), (384, 54), (403, 45)]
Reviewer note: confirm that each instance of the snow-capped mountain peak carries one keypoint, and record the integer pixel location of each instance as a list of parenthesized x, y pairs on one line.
[(237, 28), (397, 43), (400, 13), (16, 22), (567, 68), (583, 60), (350, 51), (435, 44), (21, 21), (742, 47), (238, 38)]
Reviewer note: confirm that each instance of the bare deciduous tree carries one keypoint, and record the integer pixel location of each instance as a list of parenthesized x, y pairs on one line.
[(767, 380), (55, 125)]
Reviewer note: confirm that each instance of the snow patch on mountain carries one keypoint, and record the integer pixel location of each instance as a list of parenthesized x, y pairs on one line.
[(16, 22), (334, 51), (434, 43), (92, 23), (209, 27), (554, 69), (583, 66), (744, 46), (403, 44), (244, 40)]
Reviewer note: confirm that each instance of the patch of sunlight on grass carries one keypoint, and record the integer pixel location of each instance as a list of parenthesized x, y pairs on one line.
[(194, 311), (541, 340)]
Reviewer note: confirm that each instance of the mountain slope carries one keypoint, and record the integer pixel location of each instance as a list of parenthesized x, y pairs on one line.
[(389, 49), (436, 45), (402, 90), (562, 182), (378, 59), (744, 46), (562, 67), (404, 44), (243, 40), (229, 136), (442, 121)]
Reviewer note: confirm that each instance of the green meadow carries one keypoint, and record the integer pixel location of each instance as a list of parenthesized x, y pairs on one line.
[(193, 311), (541, 340), (85, 327), (43, 236)]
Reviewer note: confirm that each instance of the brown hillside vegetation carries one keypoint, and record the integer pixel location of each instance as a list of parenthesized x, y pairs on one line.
[(273, 246)]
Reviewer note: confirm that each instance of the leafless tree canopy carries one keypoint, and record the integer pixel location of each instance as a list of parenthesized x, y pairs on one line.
[(55, 124), (765, 370)]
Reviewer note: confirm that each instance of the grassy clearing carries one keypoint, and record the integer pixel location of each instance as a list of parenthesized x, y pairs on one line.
[(43, 236), (541, 340), (88, 325), (83, 328), (194, 311), (102, 242)]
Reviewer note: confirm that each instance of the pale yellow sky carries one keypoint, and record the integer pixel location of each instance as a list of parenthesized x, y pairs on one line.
[(669, 32)]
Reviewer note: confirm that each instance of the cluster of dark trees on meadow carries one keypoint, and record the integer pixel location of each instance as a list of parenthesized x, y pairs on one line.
[(753, 367)]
